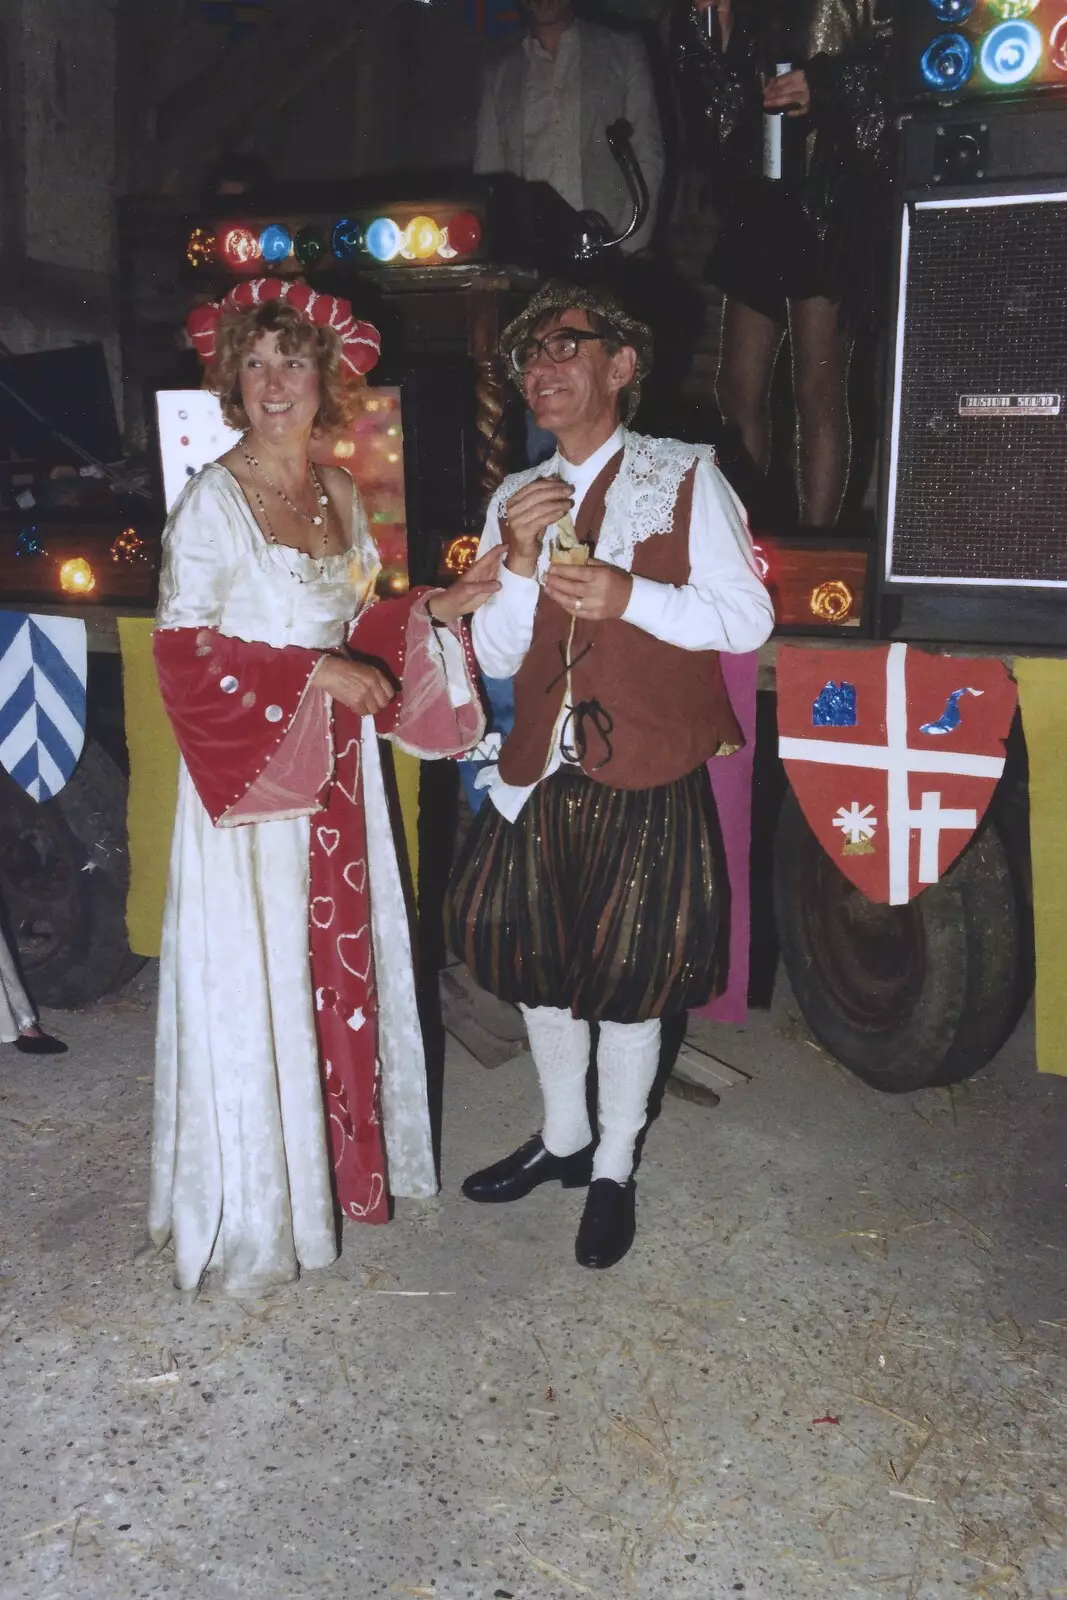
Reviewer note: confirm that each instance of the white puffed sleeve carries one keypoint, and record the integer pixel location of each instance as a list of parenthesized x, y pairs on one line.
[(201, 545)]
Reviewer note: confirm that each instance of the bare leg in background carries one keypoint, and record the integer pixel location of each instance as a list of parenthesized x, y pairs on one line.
[(821, 355)]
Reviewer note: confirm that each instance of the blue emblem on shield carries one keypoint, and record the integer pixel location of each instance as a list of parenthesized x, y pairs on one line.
[(835, 706), (42, 700)]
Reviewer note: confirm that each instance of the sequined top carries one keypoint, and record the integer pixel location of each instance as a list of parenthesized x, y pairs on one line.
[(844, 47), (831, 27)]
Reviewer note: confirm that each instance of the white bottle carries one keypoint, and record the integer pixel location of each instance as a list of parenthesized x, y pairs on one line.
[(773, 162)]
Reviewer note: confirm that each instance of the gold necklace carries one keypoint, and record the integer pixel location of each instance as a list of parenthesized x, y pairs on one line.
[(323, 499)]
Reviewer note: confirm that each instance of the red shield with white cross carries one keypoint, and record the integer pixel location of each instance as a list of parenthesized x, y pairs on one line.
[(893, 754)]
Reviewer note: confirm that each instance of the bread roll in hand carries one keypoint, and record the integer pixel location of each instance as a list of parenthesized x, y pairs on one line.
[(566, 551)]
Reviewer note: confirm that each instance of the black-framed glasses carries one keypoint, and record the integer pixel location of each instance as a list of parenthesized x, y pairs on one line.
[(560, 345)]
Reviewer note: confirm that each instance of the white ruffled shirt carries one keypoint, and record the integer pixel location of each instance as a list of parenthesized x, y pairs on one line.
[(724, 606)]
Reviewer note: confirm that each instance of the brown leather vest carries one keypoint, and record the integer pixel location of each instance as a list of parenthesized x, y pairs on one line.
[(645, 712)]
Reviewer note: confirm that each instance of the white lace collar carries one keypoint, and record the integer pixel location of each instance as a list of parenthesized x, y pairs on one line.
[(640, 501)]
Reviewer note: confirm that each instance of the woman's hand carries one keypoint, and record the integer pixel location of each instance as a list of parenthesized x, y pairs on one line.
[(594, 592), (356, 684), (477, 585), (530, 513), (790, 93)]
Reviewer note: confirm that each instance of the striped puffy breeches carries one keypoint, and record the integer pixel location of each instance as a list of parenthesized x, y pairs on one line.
[(604, 902)]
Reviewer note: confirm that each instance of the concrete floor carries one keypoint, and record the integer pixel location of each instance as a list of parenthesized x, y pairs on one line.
[(835, 1363)]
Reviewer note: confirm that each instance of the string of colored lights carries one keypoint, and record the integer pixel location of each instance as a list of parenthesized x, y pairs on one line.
[(995, 45), (245, 245), (76, 575)]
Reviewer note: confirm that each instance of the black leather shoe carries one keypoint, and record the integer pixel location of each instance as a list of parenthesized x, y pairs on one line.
[(608, 1224), (521, 1172), (40, 1044)]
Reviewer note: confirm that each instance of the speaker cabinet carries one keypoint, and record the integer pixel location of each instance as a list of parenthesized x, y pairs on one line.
[(975, 493)]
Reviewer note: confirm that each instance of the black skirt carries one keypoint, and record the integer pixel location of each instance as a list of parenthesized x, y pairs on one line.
[(601, 901), (768, 253)]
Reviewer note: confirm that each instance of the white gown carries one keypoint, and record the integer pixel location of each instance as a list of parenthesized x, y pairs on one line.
[(240, 1163)]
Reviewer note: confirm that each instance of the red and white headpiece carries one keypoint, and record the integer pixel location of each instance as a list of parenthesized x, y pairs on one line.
[(361, 343)]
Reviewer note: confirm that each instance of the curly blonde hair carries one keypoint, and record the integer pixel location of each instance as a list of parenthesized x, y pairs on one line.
[(239, 331)]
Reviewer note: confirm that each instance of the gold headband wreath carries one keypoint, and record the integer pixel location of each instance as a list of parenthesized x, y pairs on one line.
[(558, 297)]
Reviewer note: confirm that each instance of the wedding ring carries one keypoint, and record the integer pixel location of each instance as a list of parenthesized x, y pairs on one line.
[(577, 605)]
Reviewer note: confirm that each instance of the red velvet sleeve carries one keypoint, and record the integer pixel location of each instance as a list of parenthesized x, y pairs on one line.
[(434, 714), (379, 635), (254, 734)]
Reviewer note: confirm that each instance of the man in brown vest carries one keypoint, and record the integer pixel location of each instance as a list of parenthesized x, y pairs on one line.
[(585, 891)]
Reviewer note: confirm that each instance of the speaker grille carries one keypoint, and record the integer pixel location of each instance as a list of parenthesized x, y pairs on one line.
[(982, 498)]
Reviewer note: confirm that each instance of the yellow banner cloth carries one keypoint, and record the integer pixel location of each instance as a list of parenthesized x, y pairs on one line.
[(1043, 700), (154, 788), (407, 770)]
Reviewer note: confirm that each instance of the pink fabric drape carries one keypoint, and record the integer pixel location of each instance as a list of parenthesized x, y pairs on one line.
[(731, 784)]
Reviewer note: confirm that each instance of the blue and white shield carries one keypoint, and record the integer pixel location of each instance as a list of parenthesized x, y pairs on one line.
[(42, 699)]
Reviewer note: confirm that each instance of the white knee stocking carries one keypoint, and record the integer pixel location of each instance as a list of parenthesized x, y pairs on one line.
[(627, 1059), (560, 1047)]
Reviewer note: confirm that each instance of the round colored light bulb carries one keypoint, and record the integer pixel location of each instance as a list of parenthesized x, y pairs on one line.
[(309, 247), (1057, 45), (460, 553), (238, 245), (76, 576), (952, 10), (464, 233), (275, 243), (200, 248), (947, 62), (384, 239), (347, 238), (423, 238), (1013, 10), (1010, 53)]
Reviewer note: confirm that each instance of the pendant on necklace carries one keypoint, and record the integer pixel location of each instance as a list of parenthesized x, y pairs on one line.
[(316, 522)]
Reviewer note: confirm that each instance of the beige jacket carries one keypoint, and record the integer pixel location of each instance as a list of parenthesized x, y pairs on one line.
[(615, 82)]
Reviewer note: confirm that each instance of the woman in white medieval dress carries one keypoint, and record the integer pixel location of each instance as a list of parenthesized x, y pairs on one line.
[(290, 1076)]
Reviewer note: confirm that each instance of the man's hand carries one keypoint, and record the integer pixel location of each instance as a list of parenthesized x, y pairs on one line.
[(594, 593), (477, 585), (359, 686), (530, 513), (790, 93)]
